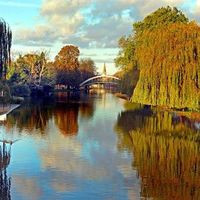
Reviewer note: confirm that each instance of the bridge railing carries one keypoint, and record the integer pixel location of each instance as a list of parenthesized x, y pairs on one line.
[(99, 77)]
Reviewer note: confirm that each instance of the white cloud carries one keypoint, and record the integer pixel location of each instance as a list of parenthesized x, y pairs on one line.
[(105, 34), (62, 18), (195, 12), (62, 7), (36, 36), (89, 23), (65, 21)]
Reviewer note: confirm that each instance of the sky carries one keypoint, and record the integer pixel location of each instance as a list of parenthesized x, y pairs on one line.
[(95, 26)]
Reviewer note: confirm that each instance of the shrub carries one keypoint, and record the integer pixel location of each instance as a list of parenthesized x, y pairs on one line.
[(5, 96), (20, 90)]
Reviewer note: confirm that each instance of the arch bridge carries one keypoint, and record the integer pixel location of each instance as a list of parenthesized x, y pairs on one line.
[(101, 79)]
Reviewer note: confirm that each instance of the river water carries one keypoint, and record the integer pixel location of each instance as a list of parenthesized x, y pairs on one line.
[(98, 146)]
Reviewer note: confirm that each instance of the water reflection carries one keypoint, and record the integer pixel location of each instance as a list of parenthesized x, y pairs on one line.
[(66, 118), (35, 116), (166, 152), (84, 166), (5, 181), (31, 116), (81, 157)]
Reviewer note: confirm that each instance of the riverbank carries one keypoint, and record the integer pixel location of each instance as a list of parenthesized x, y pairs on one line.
[(190, 114), (122, 96)]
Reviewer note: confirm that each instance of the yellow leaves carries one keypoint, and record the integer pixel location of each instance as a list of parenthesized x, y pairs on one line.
[(169, 58), (67, 58)]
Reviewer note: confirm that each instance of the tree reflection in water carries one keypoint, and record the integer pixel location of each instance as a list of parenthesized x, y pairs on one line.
[(67, 110), (64, 109), (33, 115), (66, 118), (5, 181), (166, 152)]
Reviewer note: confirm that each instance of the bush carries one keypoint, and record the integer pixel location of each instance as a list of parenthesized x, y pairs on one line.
[(5, 96), (20, 91)]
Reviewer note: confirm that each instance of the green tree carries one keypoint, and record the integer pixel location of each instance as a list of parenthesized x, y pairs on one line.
[(5, 48), (87, 68), (127, 63), (169, 63), (31, 68), (165, 48), (161, 17), (126, 58), (128, 80), (67, 66)]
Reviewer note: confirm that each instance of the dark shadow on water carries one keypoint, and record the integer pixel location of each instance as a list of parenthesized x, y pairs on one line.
[(65, 109), (5, 180), (166, 152)]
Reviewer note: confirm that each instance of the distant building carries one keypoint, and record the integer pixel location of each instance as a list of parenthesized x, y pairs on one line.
[(104, 70)]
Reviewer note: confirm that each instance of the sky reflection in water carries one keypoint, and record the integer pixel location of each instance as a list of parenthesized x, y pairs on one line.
[(94, 147)]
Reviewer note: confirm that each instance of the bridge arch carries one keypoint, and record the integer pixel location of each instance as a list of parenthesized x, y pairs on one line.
[(98, 77)]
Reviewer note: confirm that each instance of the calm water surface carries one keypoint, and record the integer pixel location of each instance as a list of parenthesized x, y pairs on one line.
[(99, 147)]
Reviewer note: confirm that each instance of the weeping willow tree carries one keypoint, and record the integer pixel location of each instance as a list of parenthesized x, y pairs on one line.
[(5, 48), (165, 47), (169, 59)]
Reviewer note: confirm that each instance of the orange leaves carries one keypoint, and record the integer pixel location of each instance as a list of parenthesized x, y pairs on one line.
[(67, 58), (169, 58)]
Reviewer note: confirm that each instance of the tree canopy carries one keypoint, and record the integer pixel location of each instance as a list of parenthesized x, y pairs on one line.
[(66, 63), (71, 71), (87, 68), (67, 58), (169, 60), (165, 47), (5, 48), (30, 68), (125, 58), (161, 17)]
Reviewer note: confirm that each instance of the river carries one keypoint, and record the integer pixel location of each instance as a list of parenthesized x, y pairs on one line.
[(98, 146)]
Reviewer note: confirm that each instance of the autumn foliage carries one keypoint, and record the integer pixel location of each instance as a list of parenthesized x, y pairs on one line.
[(169, 62), (165, 48), (5, 48), (70, 71)]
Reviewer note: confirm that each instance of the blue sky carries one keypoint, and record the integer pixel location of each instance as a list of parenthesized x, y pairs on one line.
[(93, 25)]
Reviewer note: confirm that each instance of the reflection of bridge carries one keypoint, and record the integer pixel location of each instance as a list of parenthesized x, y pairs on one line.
[(100, 80)]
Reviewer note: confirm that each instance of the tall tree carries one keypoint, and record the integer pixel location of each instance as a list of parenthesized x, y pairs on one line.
[(126, 57), (67, 58), (5, 48), (87, 68), (165, 48), (161, 17), (66, 64), (169, 61), (127, 63)]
